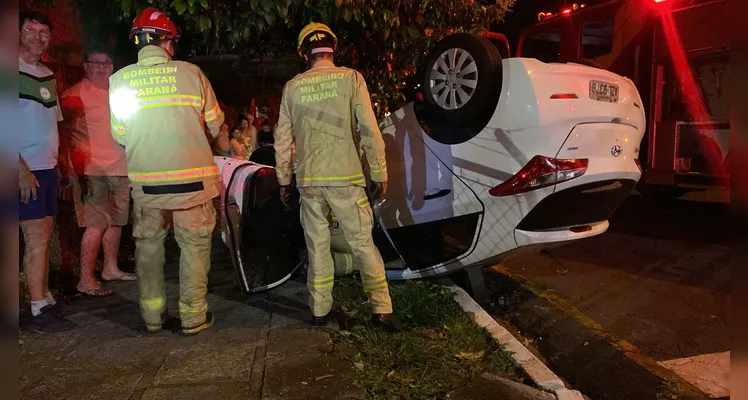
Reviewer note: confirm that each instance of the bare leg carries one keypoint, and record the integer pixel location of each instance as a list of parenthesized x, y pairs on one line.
[(36, 237), (90, 246), (111, 242)]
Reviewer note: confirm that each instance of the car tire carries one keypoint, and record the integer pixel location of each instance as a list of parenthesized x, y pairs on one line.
[(584, 61), (462, 105)]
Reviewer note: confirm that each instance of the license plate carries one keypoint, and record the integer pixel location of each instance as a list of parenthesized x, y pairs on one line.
[(603, 91)]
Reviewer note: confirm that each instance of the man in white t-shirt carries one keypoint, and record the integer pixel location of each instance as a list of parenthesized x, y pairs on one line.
[(39, 175), (102, 190)]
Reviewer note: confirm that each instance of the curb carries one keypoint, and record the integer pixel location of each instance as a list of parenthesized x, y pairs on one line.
[(540, 374)]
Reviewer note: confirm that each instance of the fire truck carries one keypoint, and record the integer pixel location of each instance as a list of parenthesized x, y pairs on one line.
[(677, 52)]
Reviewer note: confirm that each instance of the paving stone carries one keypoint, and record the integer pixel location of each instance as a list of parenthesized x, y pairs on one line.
[(92, 384), (209, 357), (301, 364), (125, 353), (40, 352), (190, 392)]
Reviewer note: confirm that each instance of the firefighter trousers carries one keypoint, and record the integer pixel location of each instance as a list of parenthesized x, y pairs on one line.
[(193, 229), (342, 254), (351, 206)]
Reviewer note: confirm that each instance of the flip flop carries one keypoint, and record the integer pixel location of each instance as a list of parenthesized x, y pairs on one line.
[(125, 277), (96, 292)]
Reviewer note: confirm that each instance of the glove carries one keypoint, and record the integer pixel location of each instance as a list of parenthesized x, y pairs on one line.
[(286, 194), (378, 191)]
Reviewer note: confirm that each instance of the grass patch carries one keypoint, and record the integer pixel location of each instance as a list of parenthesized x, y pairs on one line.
[(440, 349)]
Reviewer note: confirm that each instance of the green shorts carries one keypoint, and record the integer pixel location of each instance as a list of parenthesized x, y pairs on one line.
[(101, 201)]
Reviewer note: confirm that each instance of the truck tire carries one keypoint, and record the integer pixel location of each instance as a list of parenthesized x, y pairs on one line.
[(462, 80)]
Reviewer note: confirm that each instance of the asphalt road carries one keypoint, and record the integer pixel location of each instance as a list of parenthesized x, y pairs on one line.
[(653, 289)]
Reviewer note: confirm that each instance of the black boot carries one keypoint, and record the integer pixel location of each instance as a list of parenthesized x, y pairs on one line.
[(319, 321), (388, 322)]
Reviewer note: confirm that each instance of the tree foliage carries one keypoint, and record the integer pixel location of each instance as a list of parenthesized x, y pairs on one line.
[(385, 40)]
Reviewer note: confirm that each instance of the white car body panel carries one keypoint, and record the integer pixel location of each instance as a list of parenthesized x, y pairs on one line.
[(526, 123)]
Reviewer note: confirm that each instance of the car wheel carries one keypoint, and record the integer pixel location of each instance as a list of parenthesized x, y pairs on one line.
[(462, 80)]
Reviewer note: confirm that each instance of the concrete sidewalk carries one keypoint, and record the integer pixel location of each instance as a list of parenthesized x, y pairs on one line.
[(259, 348)]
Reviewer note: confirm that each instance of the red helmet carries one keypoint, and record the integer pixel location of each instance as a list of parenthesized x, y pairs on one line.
[(154, 23)]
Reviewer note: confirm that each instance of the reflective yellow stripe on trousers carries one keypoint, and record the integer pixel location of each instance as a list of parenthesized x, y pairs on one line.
[(153, 303), (319, 283), (354, 179), (375, 283), (185, 308)]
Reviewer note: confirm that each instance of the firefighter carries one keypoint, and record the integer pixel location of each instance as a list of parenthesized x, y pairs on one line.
[(160, 111), (320, 111)]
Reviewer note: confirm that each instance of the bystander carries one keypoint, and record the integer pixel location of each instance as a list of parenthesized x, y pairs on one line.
[(102, 191), (39, 174)]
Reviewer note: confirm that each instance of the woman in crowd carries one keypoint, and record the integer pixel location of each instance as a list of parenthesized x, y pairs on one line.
[(238, 147)]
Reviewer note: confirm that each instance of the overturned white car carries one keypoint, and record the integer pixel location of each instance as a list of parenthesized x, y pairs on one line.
[(498, 155)]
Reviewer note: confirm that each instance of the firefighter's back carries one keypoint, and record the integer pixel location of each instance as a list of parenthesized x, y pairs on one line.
[(164, 122), (322, 114)]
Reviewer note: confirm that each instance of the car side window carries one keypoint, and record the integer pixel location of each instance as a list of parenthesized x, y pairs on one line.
[(544, 46), (597, 37)]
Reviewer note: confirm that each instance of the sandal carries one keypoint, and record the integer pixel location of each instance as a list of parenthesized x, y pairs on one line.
[(123, 276), (96, 292)]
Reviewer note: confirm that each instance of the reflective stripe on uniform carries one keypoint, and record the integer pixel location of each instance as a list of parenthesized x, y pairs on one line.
[(118, 129), (348, 263), (358, 178), (375, 283), (185, 308), (319, 283), (153, 303), (212, 114), (175, 175), (378, 168), (362, 202), (170, 101)]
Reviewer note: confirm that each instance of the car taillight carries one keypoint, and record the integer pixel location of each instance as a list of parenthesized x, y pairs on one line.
[(541, 172)]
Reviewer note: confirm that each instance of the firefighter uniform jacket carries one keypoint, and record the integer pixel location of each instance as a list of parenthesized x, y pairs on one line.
[(160, 112), (321, 110)]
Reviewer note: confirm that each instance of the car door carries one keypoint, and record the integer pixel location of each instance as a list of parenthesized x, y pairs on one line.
[(264, 238), (430, 216)]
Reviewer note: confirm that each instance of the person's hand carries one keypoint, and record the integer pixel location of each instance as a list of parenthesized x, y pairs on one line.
[(28, 184), (66, 188), (286, 193), (378, 190)]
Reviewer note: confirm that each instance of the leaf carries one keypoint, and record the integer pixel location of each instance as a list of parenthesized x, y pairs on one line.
[(254, 4), (338, 3), (191, 7), (126, 5), (319, 378), (359, 365), (270, 18), (347, 14), (476, 355), (391, 374), (267, 5), (204, 3), (179, 6)]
